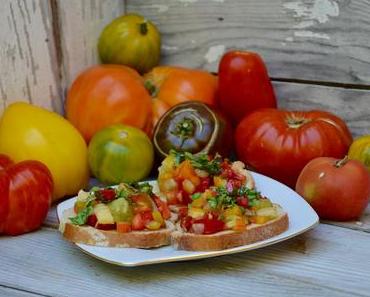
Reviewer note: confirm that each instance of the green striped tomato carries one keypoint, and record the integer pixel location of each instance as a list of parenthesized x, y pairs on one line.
[(120, 153), (130, 40)]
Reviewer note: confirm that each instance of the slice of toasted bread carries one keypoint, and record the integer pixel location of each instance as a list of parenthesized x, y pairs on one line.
[(228, 239), (111, 238)]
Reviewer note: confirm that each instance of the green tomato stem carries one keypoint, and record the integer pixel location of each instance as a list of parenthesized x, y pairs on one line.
[(143, 28)]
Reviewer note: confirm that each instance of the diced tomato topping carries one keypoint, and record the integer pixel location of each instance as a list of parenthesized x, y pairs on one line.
[(123, 227), (242, 201), (183, 211), (92, 220), (162, 207), (137, 222), (186, 223), (142, 203), (205, 183), (212, 225), (146, 216), (105, 226), (107, 194)]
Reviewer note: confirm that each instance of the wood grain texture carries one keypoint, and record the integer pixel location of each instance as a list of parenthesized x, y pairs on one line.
[(313, 264), (80, 24), (321, 40), (28, 67), (9, 292)]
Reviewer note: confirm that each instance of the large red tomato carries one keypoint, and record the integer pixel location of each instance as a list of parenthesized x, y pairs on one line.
[(280, 143), (337, 189), (108, 94), (244, 85), (172, 85), (26, 190)]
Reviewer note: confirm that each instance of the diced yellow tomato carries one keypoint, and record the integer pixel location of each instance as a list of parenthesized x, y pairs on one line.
[(200, 202), (158, 217), (260, 219), (219, 181), (235, 210), (123, 227), (153, 225), (196, 213), (236, 222)]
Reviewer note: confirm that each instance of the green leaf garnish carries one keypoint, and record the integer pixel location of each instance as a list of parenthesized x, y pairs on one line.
[(196, 196), (81, 217)]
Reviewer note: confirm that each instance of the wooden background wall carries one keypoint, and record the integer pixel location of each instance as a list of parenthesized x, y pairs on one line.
[(317, 51)]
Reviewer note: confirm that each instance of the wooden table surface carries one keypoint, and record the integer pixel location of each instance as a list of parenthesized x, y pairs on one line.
[(331, 260)]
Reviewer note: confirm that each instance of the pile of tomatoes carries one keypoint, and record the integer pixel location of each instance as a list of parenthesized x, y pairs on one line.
[(112, 109)]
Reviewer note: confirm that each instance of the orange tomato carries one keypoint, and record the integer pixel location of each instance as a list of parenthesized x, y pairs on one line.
[(108, 94), (172, 85)]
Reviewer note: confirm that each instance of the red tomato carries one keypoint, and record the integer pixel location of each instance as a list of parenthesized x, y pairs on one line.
[(108, 94), (142, 203), (244, 85), (162, 207), (25, 195), (337, 189), (212, 225), (138, 222), (280, 143)]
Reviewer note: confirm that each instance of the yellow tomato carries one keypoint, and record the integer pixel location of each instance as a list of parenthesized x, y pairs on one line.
[(360, 150), (30, 132)]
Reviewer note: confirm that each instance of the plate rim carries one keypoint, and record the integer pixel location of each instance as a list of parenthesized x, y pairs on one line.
[(190, 257)]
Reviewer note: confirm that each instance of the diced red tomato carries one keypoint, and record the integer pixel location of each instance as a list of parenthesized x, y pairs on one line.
[(105, 226), (123, 227), (213, 225), (146, 216), (92, 220), (138, 222), (183, 211), (162, 207), (242, 201), (186, 223), (107, 194), (142, 203), (205, 183)]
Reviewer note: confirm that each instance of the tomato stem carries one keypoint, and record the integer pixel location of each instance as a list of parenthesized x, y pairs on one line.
[(184, 129), (296, 122), (342, 162), (151, 88), (143, 28)]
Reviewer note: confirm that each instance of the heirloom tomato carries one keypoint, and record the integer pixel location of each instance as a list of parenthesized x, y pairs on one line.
[(26, 190), (120, 153), (279, 143), (337, 189), (244, 85), (360, 150), (130, 40), (173, 85), (105, 95), (29, 132)]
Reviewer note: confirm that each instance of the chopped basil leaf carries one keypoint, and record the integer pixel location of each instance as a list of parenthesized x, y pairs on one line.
[(81, 217), (196, 196), (144, 188)]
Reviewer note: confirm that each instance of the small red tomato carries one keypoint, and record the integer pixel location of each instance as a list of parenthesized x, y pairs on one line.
[(244, 85), (25, 195), (337, 189), (107, 194), (242, 201)]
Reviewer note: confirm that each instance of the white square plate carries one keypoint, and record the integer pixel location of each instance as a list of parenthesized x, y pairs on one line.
[(301, 218)]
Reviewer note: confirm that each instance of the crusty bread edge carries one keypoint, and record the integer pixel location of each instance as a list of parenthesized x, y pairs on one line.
[(229, 239), (111, 238)]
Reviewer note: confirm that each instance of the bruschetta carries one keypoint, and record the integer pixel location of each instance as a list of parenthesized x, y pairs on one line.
[(122, 216)]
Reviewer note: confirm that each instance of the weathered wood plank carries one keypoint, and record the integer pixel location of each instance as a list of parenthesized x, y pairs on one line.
[(9, 292), (28, 67), (80, 24), (324, 40), (314, 264)]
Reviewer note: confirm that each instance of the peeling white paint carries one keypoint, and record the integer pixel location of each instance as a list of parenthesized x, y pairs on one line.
[(317, 11), (192, 41), (214, 53), (169, 47), (160, 7), (193, 1), (289, 39), (310, 34)]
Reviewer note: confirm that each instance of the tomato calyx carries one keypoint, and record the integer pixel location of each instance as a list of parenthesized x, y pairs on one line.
[(143, 27), (296, 122), (184, 129), (342, 162)]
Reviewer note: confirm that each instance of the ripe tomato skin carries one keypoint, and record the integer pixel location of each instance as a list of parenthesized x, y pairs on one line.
[(29, 189), (244, 85), (336, 192), (108, 94), (280, 143)]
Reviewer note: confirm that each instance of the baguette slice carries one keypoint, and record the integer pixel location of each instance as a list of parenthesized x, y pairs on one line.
[(229, 239), (111, 238)]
